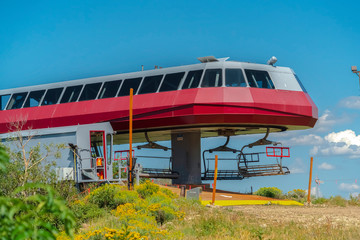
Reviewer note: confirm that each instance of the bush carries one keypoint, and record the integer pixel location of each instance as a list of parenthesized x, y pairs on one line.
[(297, 195), (84, 211), (162, 208), (320, 200), (105, 196), (28, 218), (168, 193), (338, 201), (271, 192), (125, 196), (147, 189)]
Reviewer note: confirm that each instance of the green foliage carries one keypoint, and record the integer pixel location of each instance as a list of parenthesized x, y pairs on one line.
[(320, 200), (85, 211), (26, 218), (162, 208), (338, 201), (168, 193), (107, 196), (125, 196), (354, 200), (147, 189), (4, 159), (297, 195), (28, 165), (271, 192)]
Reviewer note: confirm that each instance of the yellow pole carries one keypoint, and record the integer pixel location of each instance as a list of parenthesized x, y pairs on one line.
[(215, 177), (130, 138), (309, 190)]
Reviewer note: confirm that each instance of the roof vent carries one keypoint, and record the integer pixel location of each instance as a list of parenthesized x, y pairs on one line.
[(211, 59)]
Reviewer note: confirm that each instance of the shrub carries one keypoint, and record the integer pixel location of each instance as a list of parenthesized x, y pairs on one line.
[(271, 192), (162, 208), (84, 211), (28, 218), (126, 196), (297, 195), (105, 196), (147, 189), (338, 201), (320, 200), (168, 193)]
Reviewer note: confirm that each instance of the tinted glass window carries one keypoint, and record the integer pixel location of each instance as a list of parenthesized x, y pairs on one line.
[(212, 78), (234, 78), (150, 84), (90, 91), (110, 89), (3, 101), (52, 96), (34, 98), (192, 79), (300, 83), (171, 82), (129, 83), (71, 94), (260, 79), (17, 100)]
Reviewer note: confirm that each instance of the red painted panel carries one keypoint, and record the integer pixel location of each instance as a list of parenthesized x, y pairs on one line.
[(230, 105)]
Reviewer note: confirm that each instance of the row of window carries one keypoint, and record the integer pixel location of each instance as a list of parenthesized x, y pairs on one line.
[(150, 84)]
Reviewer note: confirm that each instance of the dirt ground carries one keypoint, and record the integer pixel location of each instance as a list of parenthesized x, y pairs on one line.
[(337, 216)]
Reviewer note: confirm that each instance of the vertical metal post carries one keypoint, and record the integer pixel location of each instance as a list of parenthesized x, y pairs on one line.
[(130, 182), (215, 177), (310, 175)]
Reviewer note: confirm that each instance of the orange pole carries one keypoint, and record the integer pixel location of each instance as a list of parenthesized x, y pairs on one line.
[(215, 177), (309, 190), (130, 137)]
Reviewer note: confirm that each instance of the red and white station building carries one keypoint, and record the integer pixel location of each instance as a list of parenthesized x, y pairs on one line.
[(183, 104)]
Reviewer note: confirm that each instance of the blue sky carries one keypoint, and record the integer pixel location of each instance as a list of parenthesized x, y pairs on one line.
[(50, 41)]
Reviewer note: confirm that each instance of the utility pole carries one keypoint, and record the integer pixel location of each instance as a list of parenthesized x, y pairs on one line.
[(354, 70)]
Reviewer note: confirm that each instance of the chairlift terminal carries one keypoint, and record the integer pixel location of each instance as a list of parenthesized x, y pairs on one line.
[(183, 104)]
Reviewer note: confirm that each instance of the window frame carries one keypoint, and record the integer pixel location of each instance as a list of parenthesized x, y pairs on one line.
[(110, 81), (41, 99), (149, 76), (203, 76), (186, 75), (234, 68), (10, 95), (179, 84), (64, 91), (255, 81), (59, 98), (7, 105)]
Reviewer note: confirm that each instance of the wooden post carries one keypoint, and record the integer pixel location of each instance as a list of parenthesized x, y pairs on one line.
[(310, 176), (215, 177), (130, 183)]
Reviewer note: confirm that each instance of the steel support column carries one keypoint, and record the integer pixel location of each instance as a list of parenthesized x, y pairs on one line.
[(186, 153)]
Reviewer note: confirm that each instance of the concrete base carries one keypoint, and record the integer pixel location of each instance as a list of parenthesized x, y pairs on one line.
[(186, 153)]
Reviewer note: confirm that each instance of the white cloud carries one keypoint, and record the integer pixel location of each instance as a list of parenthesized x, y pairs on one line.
[(326, 166), (352, 102), (349, 187), (339, 143), (348, 137)]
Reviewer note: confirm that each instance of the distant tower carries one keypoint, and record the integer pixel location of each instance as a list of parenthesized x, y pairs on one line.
[(317, 187)]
